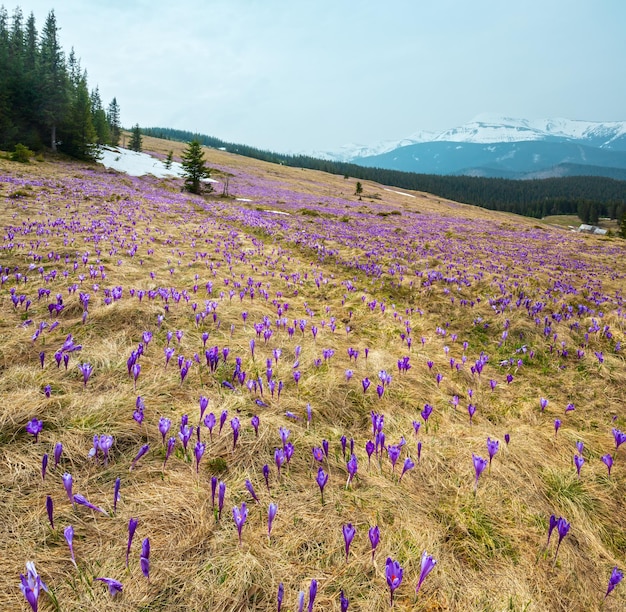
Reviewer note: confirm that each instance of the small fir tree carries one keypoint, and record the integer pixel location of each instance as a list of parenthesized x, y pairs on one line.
[(169, 159), (359, 189), (194, 169), (135, 139)]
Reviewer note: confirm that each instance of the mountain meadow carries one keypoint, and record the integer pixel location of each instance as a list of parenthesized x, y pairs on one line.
[(281, 395)]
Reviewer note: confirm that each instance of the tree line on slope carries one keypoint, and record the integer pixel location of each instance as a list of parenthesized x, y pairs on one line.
[(590, 197), (44, 96)]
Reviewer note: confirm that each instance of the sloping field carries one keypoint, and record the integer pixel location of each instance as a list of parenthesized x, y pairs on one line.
[(177, 345)]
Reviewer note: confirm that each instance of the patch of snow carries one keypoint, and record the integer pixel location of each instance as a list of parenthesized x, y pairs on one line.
[(139, 164), (243, 199), (278, 212), (410, 195)]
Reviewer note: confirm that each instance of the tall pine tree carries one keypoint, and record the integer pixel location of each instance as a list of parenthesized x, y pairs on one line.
[(100, 123), (115, 127), (54, 79)]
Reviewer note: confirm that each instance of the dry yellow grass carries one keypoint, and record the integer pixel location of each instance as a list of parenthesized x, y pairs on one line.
[(490, 547)]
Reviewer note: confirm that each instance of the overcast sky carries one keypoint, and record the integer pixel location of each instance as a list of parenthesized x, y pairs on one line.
[(300, 75)]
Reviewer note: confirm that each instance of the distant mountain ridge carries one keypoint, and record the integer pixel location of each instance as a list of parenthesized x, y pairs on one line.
[(503, 147)]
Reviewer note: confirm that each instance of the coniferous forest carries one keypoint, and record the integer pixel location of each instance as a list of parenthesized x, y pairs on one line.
[(590, 197), (45, 100)]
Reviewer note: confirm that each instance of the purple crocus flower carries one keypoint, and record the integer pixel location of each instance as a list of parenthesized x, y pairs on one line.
[(266, 475), (209, 422), (271, 514), (562, 528), (142, 451), (289, 448), (492, 448), (366, 383), (543, 402), (221, 493), (428, 410), (34, 427), (393, 573), (428, 564), (343, 602), (279, 458), (184, 434), (419, 451), (68, 533), (322, 479), (50, 510), (281, 593), (325, 447), (618, 436), (369, 449), (614, 580), (344, 442), (239, 516), (479, 466), (348, 536), (408, 465), (67, 483), (507, 438), (235, 425), (115, 586), (116, 493), (252, 491), (312, 594), (374, 536), (471, 410), (204, 403), (393, 451), (557, 425), (553, 523), (301, 601), (81, 500), (171, 443), (223, 418), (578, 462), (58, 451), (198, 452), (85, 369), (164, 427), (44, 466), (254, 421), (144, 559), (132, 526), (31, 585), (352, 467), (608, 461)]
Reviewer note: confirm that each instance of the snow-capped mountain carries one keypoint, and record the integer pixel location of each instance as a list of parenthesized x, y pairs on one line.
[(487, 129), (503, 147)]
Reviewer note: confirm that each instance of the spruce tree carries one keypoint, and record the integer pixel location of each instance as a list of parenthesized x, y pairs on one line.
[(99, 117), (115, 126), (79, 133), (135, 139), (169, 159), (54, 79), (194, 169)]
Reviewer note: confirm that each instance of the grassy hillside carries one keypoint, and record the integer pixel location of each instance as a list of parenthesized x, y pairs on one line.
[(262, 301)]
